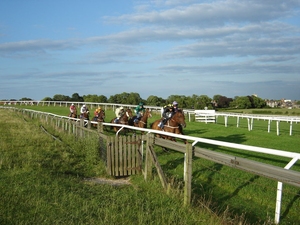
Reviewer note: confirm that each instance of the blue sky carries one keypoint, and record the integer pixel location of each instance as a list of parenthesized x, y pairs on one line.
[(159, 47)]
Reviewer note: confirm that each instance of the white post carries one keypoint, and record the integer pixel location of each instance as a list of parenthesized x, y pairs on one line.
[(226, 117), (278, 202), (251, 123), (279, 192), (269, 126), (291, 127), (237, 121), (248, 123), (277, 125)]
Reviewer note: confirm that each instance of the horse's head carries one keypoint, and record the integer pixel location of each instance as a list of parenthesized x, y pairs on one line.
[(147, 113), (179, 118), (128, 113)]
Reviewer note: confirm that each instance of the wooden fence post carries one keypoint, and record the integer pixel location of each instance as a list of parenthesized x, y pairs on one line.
[(188, 174), (100, 127), (148, 161)]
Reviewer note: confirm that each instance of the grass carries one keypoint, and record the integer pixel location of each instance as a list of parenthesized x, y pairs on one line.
[(42, 181), (226, 189), (269, 111)]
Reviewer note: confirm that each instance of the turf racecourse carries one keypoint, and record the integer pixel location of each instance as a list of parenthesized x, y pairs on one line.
[(224, 188), (44, 181)]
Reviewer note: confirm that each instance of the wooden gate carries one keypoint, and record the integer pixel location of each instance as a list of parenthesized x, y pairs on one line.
[(124, 156)]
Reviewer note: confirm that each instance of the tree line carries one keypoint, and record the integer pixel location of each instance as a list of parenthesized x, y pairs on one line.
[(188, 102)]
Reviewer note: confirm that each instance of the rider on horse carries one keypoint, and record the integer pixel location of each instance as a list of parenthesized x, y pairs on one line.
[(175, 106), (83, 109), (119, 113), (139, 110), (72, 109), (96, 113), (168, 111)]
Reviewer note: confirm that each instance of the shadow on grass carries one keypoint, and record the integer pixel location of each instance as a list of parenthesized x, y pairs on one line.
[(290, 205)]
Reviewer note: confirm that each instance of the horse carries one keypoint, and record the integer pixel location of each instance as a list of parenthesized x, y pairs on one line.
[(73, 114), (174, 125), (99, 118), (142, 122), (85, 116), (122, 120)]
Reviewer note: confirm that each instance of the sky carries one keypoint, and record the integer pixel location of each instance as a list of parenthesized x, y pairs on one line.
[(156, 47)]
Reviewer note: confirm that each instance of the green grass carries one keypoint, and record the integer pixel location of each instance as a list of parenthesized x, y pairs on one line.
[(242, 192), (269, 111), (42, 181)]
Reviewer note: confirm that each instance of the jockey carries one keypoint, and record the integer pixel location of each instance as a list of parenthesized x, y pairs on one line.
[(96, 113), (168, 111), (175, 106), (84, 109), (139, 110), (72, 109), (119, 113)]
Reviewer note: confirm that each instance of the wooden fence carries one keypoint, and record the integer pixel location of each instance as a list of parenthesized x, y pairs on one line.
[(124, 154)]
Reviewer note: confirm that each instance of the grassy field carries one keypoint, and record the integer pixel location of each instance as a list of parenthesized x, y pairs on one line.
[(43, 181), (226, 189), (269, 111)]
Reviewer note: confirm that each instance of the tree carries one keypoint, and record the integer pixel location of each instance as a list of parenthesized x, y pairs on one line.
[(203, 101), (133, 99), (25, 99), (257, 102), (242, 102), (90, 98), (47, 99), (224, 102), (180, 99), (155, 101), (77, 98), (59, 97), (102, 99)]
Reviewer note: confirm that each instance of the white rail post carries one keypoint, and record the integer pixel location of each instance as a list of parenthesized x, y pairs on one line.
[(279, 191)]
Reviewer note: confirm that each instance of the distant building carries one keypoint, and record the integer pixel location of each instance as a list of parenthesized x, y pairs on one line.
[(272, 103)]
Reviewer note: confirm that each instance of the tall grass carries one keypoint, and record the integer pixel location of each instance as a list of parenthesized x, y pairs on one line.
[(43, 181)]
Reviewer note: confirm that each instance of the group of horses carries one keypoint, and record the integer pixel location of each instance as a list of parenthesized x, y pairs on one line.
[(86, 116), (174, 125)]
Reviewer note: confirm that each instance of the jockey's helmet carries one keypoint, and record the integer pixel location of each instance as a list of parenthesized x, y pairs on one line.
[(175, 103), (84, 106), (141, 104), (72, 104), (121, 107)]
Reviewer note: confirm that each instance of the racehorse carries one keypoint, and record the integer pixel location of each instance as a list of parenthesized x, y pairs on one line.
[(73, 114), (99, 118), (174, 125), (85, 116), (142, 122), (127, 115)]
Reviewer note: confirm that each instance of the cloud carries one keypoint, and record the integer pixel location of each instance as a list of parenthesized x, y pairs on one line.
[(216, 13)]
